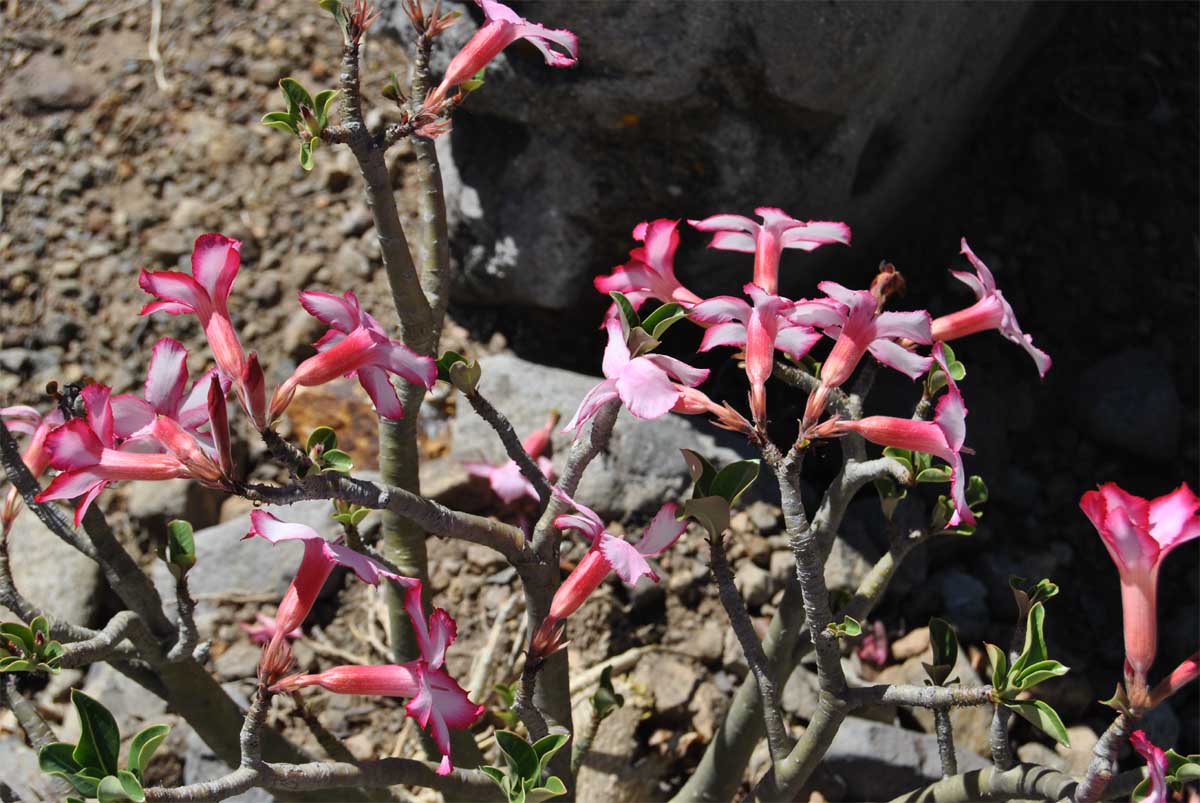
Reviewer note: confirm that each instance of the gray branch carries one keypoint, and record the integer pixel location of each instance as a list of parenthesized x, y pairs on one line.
[(936, 698), (185, 608), (1103, 765), (945, 739), (512, 444), (35, 727), (1022, 782)]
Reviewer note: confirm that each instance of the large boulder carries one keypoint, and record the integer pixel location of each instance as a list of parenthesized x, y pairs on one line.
[(51, 574), (828, 110)]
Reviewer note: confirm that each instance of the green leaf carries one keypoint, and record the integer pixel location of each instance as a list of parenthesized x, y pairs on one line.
[(848, 627), (474, 82), (465, 375), (1119, 702), (1034, 674), (445, 361), (181, 547), (56, 758), (889, 496), (99, 740), (902, 456), (606, 699), (521, 757), (921, 462), (295, 94), (111, 790), (281, 120), (938, 674), (130, 786), (84, 783), (321, 105), (357, 516), (323, 437), (944, 642), (1035, 642), (935, 474), (17, 665), (1187, 773), (711, 511), (336, 460), (306, 157), (506, 693), (977, 494), (659, 321), (495, 773), (20, 634), (733, 480), (546, 747), (998, 659), (40, 626), (1043, 717), (553, 787), (629, 316), (142, 747), (702, 470)]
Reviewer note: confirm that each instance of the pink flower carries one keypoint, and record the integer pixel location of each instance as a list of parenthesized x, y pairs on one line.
[(610, 554), (1139, 534), (506, 480), (1156, 767), (87, 454), (645, 385), (767, 241), (264, 629), (991, 311), (772, 323), (942, 437), (215, 262), (29, 421), (436, 700), (650, 271), (873, 649), (503, 27), (862, 329), (356, 344), (1185, 673), (165, 393), (697, 402)]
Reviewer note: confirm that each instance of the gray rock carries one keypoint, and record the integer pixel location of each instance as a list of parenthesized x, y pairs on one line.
[(131, 705), (153, 504), (1130, 401), (642, 468), (800, 693), (201, 764), (872, 94), (754, 583), (881, 761), (21, 774), (238, 662), (47, 83), (965, 599), (670, 681), (51, 574), (845, 568)]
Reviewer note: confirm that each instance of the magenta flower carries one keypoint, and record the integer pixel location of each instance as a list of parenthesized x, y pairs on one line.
[(356, 344), (610, 554), (503, 27), (772, 323), (27, 420), (1139, 534), (1185, 673), (990, 311), (768, 239), (264, 629), (1156, 767), (645, 385), (215, 262), (942, 437), (650, 271), (506, 480)]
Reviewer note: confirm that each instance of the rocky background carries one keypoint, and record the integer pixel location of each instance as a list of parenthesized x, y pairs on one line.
[(1061, 140)]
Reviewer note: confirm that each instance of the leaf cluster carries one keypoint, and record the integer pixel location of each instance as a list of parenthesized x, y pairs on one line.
[(306, 116), (322, 450), (29, 648), (1031, 667), (715, 491), (525, 764)]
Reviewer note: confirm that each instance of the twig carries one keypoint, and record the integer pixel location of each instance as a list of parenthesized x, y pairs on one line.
[(1023, 782), (936, 698), (512, 444), (620, 663), (35, 727), (1002, 755), (802, 380), (16, 602), (945, 739), (103, 646), (524, 705), (160, 75), (185, 622), (1104, 759)]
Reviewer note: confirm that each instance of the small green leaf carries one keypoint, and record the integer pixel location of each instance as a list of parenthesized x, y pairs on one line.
[(889, 496), (506, 693), (938, 673), (474, 82), (629, 316), (111, 790), (546, 747), (702, 470), (659, 321), (733, 480), (1119, 702), (336, 460), (521, 757), (181, 547), (1034, 674), (323, 437), (977, 494), (1187, 773), (553, 787), (495, 773), (711, 511), (445, 361), (849, 627), (18, 665), (57, 758), (22, 635), (935, 474), (465, 375), (131, 786), (1043, 717), (357, 516), (944, 642), (99, 740), (306, 157), (998, 659), (295, 94), (142, 747), (321, 105), (40, 626), (640, 342), (281, 120), (1035, 642), (606, 699), (902, 456), (921, 462)]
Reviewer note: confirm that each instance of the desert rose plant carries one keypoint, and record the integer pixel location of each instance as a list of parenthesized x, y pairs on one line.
[(826, 351)]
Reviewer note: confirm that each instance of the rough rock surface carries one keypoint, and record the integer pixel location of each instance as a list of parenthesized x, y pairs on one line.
[(44, 568)]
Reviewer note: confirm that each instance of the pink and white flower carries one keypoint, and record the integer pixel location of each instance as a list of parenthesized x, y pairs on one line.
[(28, 421), (773, 322), (650, 271), (264, 629), (990, 311), (1156, 767), (768, 239), (1139, 534), (502, 28), (506, 479), (355, 345), (645, 385)]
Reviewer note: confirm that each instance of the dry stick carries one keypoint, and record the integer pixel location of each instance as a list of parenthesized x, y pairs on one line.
[(185, 620), (778, 739), (35, 728), (1104, 759), (620, 663), (945, 740), (104, 645), (512, 444), (160, 74)]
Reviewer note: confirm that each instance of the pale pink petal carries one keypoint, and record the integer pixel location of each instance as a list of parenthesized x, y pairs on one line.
[(845, 295), (733, 241), (70, 484), (621, 280), (21, 418), (821, 313), (796, 341), (399, 359), (1173, 518), (985, 275), (167, 376), (646, 390), (616, 353), (132, 417), (215, 261), (720, 309), (383, 394), (368, 570), (193, 411), (274, 530), (815, 233), (726, 223), (896, 356), (1157, 767), (476, 469), (962, 512), (913, 325), (542, 37), (970, 280), (331, 310), (509, 483), (177, 288), (627, 562), (951, 418), (723, 334), (99, 412), (169, 307), (663, 531), (74, 445), (442, 632), (661, 238), (677, 369), (596, 398)]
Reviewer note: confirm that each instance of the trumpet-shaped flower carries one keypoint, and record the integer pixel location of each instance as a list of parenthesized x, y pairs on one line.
[(768, 239), (29, 421), (942, 437), (645, 385), (1139, 534), (506, 480), (215, 262), (773, 322), (1156, 767), (990, 311), (650, 271), (355, 344), (610, 554), (502, 28), (264, 629), (1187, 671)]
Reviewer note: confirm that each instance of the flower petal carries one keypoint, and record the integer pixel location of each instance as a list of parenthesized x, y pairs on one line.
[(730, 333), (616, 352), (896, 356), (399, 359), (167, 376), (796, 341), (985, 275), (677, 369), (646, 390), (629, 564), (726, 223), (215, 261), (663, 531), (132, 417), (74, 445), (913, 325), (596, 398), (331, 310), (815, 233), (720, 309), (274, 530), (383, 394), (734, 241), (176, 288), (1173, 518)]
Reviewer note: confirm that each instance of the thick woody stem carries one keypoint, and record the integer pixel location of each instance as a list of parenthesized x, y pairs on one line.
[(1103, 765), (1002, 755), (936, 698), (735, 607), (802, 380), (512, 444), (945, 739), (104, 644), (185, 608)]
